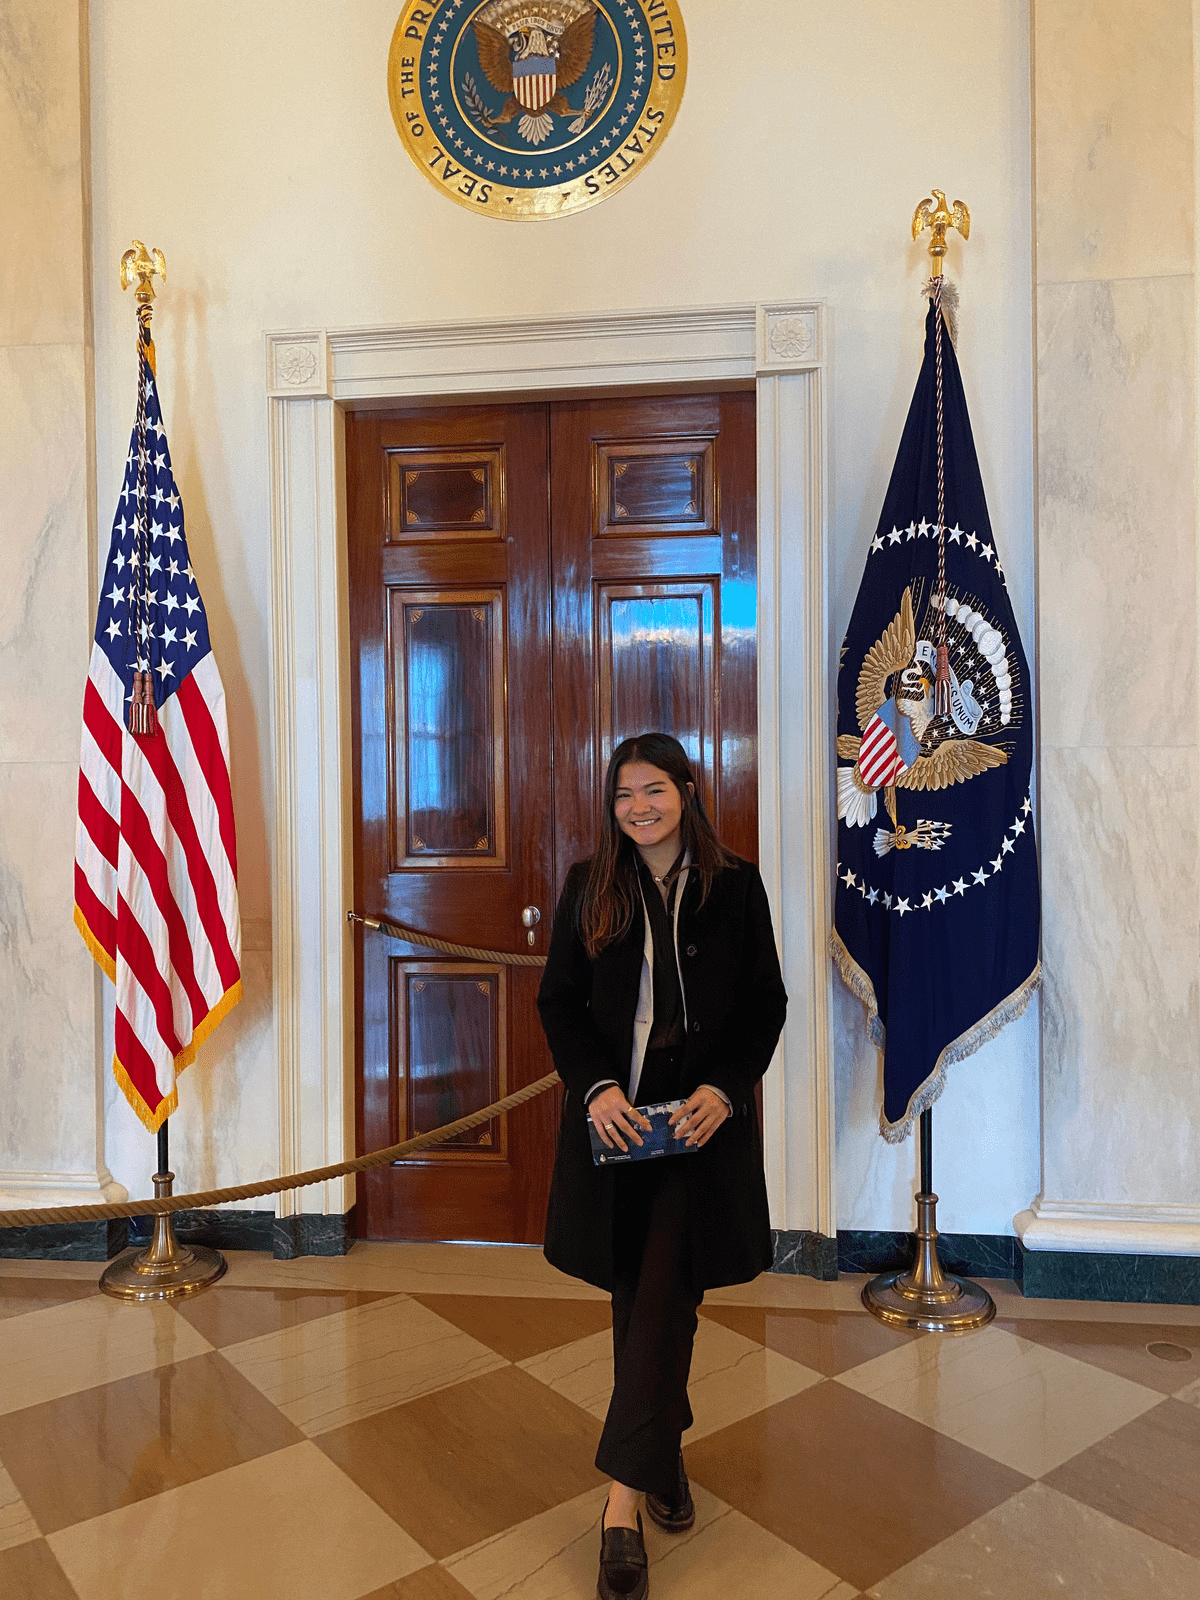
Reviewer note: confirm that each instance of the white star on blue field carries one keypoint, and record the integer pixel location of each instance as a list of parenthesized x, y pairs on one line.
[(174, 633)]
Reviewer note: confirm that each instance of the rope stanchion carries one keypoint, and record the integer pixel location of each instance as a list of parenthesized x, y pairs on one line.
[(397, 930), (300, 1180), (43, 1215)]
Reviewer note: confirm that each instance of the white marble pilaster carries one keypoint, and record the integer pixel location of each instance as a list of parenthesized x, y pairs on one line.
[(1115, 123), (42, 177), (50, 1085)]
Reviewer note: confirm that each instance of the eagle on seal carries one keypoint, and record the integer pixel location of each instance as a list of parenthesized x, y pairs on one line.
[(531, 53), (899, 748)]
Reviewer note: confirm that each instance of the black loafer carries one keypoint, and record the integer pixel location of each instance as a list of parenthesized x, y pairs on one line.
[(624, 1570), (679, 1512)]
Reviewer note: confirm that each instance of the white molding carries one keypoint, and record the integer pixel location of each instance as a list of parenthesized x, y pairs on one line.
[(694, 348), (1094, 1226), (20, 1191)]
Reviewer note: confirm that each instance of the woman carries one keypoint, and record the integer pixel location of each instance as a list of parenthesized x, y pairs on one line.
[(662, 983)]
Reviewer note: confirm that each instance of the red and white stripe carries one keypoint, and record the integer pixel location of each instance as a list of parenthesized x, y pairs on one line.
[(879, 758), (156, 875), (535, 89)]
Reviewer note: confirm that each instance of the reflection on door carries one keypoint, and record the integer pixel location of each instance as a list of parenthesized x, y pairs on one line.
[(529, 585)]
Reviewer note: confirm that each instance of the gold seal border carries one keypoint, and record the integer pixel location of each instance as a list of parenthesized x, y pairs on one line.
[(486, 197)]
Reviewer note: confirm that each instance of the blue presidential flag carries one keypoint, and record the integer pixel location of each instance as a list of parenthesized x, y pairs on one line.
[(936, 910)]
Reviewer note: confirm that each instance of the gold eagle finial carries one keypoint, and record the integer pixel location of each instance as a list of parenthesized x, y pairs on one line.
[(139, 265), (937, 216)]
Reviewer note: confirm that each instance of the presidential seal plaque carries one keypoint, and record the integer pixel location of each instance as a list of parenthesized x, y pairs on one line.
[(535, 108)]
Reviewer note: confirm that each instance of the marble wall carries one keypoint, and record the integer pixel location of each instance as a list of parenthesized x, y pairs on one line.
[(50, 1133), (1116, 310)]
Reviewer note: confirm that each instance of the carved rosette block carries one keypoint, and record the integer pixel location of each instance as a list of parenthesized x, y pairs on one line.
[(789, 337), (297, 365)]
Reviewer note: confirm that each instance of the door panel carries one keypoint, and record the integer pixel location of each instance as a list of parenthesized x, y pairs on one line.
[(657, 669), (630, 525), (447, 798), (653, 528), (450, 618)]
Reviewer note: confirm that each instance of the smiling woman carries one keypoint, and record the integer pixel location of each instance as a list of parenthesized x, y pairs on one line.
[(662, 984)]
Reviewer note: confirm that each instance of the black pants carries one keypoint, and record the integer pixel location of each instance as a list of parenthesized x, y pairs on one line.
[(654, 1305)]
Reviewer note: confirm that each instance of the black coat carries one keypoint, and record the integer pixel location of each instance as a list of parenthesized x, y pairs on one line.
[(735, 1003)]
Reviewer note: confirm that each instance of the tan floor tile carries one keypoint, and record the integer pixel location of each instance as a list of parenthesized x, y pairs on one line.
[(72, 1347), (19, 1296), (519, 1327), (1041, 1545), (326, 1373), (229, 1315), (428, 1583), (1126, 1348), (555, 1557), (725, 1548), (16, 1520), (457, 1466), (288, 1526), (580, 1371), (1010, 1302), (84, 1454), (827, 1341), (30, 1267), (731, 1377), (1021, 1403), (787, 1290), (396, 1268), (30, 1572), (857, 1488), (546, 1557), (1146, 1474), (730, 1381)]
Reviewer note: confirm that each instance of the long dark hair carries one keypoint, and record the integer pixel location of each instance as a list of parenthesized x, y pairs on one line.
[(610, 895)]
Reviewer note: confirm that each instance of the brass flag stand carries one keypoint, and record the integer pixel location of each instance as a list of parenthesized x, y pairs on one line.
[(165, 1270), (923, 1296)]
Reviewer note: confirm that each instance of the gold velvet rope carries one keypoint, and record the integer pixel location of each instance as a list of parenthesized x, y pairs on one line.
[(41, 1216)]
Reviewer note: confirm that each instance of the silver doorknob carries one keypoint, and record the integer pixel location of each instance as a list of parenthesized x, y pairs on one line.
[(530, 918)]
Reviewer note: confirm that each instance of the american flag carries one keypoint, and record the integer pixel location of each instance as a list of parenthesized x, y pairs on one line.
[(155, 857)]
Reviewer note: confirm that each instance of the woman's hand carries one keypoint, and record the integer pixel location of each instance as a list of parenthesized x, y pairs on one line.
[(615, 1120), (703, 1113)]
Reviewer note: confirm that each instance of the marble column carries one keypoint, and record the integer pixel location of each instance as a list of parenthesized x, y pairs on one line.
[(50, 1072), (1114, 133)]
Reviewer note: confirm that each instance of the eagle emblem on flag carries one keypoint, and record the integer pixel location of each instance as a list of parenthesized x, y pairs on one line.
[(903, 745)]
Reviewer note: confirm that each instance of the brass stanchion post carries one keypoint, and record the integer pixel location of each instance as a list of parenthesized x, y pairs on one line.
[(923, 1296), (165, 1269)]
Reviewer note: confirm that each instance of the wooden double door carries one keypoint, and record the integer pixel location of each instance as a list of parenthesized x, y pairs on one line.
[(529, 585)]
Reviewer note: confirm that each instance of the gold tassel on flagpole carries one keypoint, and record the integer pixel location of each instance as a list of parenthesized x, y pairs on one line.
[(141, 266)]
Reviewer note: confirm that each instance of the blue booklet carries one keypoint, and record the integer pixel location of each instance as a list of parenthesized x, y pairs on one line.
[(660, 1141)]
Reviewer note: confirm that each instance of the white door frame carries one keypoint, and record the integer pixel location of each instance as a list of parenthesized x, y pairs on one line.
[(311, 376)]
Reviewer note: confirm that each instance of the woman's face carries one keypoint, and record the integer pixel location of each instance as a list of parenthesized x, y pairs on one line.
[(647, 805)]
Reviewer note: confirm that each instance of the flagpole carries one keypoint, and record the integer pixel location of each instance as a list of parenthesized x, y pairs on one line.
[(166, 1269), (923, 1295)]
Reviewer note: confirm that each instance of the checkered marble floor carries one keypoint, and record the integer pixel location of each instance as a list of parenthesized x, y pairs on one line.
[(417, 1422)]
